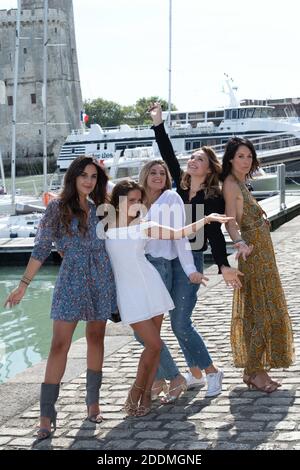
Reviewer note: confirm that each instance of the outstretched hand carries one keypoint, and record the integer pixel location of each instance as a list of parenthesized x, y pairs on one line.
[(214, 217), (231, 277), (155, 113)]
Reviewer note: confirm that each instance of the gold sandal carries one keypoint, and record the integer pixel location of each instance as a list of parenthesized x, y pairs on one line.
[(130, 407)]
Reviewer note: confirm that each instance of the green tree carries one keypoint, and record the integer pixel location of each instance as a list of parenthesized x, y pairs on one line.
[(142, 106), (103, 112), (109, 114)]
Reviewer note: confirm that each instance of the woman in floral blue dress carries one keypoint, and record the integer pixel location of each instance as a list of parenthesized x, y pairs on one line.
[(85, 288)]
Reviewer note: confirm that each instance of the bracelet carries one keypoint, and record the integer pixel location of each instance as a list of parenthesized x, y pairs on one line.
[(240, 240), (25, 282), (27, 278)]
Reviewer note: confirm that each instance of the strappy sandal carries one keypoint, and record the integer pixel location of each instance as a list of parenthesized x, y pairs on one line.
[(130, 407), (169, 398), (157, 389), (268, 387), (144, 410)]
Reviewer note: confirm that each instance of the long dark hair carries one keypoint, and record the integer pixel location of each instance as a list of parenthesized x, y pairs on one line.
[(230, 151), (69, 197)]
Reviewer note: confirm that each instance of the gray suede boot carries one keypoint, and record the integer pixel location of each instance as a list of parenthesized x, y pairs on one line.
[(48, 398), (93, 384)]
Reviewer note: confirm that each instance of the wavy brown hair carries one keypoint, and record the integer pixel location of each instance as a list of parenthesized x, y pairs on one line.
[(211, 183), (69, 197), (145, 171)]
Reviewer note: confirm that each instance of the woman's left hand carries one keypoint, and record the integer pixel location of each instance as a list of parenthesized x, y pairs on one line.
[(198, 278), (231, 277)]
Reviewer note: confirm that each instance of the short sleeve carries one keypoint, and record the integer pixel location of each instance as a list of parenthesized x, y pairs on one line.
[(47, 232)]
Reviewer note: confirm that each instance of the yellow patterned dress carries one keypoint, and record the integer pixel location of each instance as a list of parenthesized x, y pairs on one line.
[(261, 331)]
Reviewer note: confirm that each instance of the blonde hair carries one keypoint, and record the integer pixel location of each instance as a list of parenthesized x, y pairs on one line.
[(145, 171), (212, 182)]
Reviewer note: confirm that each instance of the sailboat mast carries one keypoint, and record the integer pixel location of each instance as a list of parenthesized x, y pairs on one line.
[(14, 112), (170, 62), (44, 96)]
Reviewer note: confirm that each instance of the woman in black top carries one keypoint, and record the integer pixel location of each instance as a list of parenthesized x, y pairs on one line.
[(200, 191)]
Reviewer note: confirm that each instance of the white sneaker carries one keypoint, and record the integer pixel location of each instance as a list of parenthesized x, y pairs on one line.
[(214, 383), (192, 382)]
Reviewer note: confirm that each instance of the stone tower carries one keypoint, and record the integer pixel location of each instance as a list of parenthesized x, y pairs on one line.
[(64, 94)]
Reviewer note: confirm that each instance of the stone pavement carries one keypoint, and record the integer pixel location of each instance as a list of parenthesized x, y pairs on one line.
[(236, 419)]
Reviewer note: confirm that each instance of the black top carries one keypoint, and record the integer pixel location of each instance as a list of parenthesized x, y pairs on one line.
[(212, 231)]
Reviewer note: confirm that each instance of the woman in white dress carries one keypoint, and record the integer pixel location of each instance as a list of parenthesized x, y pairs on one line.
[(141, 294)]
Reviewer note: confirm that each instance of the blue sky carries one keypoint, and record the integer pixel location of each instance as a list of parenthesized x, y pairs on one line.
[(123, 49)]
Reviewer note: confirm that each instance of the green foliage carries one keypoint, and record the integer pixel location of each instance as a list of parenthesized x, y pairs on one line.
[(108, 113)]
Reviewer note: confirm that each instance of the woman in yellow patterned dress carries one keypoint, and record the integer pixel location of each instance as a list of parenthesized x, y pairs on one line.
[(261, 332)]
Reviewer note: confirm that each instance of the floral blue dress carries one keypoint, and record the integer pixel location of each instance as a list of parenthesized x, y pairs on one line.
[(85, 287)]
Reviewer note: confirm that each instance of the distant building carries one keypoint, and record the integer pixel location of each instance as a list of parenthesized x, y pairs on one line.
[(64, 94)]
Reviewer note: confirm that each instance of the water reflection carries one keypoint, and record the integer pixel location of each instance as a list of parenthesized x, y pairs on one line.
[(26, 329)]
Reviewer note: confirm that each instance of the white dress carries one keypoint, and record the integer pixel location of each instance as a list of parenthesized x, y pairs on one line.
[(141, 293)]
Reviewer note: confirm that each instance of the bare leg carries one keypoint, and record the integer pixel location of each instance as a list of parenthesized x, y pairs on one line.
[(148, 331), (95, 331), (57, 359)]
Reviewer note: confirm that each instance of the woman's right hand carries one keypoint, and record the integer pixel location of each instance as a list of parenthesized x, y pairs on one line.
[(243, 250), (155, 113), (16, 296)]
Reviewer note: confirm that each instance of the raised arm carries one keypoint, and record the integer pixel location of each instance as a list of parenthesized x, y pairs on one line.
[(164, 143)]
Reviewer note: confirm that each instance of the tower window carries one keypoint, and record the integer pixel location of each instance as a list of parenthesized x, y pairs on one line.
[(25, 50), (33, 98), (40, 132), (10, 101), (55, 30)]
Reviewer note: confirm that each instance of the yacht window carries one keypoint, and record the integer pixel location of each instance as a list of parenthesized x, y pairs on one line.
[(196, 116), (98, 146), (105, 146), (250, 112), (188, 146), (220, 114), (242, 113), (196, 144), (228, 114), (73, 150), (234, 114)]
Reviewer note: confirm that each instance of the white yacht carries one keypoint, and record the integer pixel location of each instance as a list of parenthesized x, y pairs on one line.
[(188, 131)]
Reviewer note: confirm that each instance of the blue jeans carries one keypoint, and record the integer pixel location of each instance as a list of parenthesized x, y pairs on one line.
[(184, 295), (167, 368)]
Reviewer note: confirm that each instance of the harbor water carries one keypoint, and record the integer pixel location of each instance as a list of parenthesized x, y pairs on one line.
[(26, 329)]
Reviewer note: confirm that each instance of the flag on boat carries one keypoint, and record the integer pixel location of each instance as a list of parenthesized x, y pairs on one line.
[(83, 117)]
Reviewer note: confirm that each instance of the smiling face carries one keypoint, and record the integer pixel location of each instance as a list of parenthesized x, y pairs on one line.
[(198, 164), (242, 161), (131, 204), (157, 177), (87, 180)]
